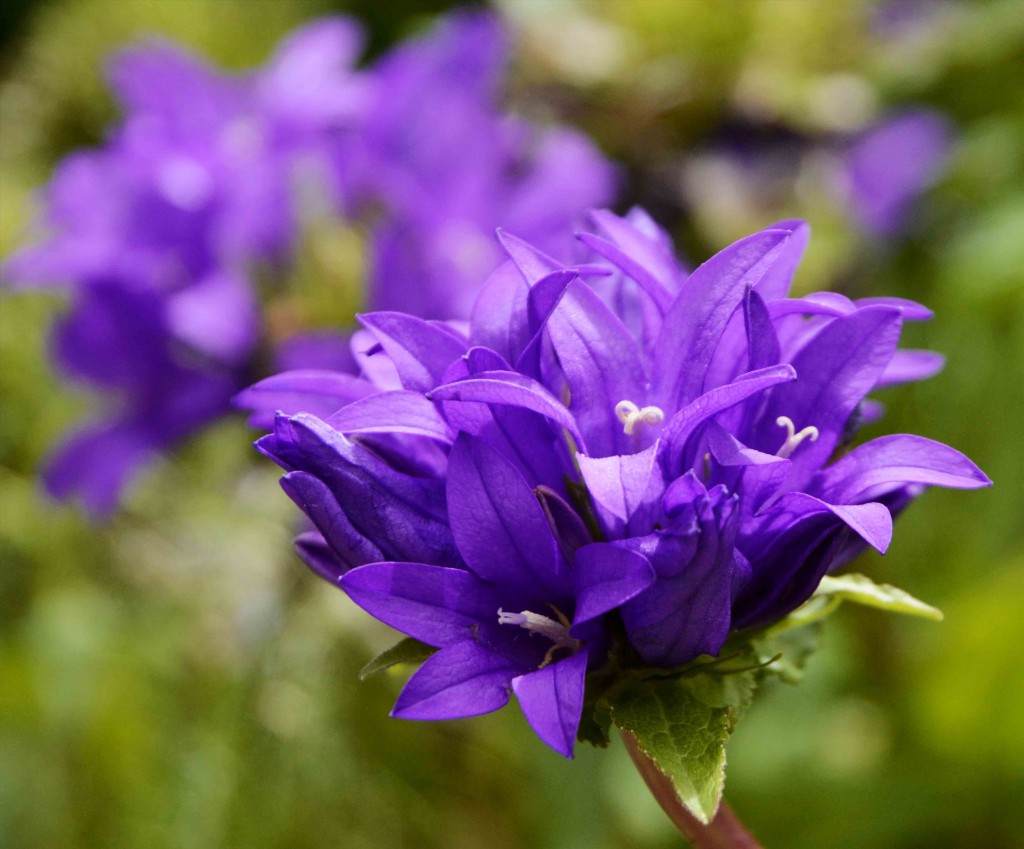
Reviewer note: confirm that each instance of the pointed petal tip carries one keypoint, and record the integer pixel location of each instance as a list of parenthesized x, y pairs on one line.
[(266, 445), (790, 225), (559, 740), (509, 241)]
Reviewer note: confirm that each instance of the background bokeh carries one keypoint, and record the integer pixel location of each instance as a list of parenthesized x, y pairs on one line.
[(176, 678)]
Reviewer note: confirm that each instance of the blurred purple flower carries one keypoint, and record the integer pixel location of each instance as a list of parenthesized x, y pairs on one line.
[(878, 174), (157, 232), (117, 340), (210, 175), (447, 167), (613, 435), (889, 165)]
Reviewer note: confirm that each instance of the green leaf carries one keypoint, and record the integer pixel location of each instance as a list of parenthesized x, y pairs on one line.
[(862, 590), (725, 688), (405, 651), (786, 647), (595, 723), (684, 735)]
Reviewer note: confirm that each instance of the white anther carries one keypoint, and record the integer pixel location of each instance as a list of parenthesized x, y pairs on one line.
[(630, 414), (535, 623), (793, 437)]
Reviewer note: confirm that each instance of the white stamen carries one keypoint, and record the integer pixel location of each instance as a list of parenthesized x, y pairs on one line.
[(535, 623), (630, 414), (793, 437)]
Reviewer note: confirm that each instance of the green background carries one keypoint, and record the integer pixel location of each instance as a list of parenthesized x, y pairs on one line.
[(177, 679)]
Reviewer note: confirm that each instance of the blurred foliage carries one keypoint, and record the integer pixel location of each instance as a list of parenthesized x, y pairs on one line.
[(176, 679)]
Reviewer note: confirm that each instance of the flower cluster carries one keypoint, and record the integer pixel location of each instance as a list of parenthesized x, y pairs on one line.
[(616, 436), (159, 234)]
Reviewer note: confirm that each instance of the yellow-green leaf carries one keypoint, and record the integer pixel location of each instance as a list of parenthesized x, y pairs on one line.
[(406, 651), (862, 590)]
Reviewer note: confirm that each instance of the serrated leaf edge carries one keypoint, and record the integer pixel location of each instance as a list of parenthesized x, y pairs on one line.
[(697, 812)]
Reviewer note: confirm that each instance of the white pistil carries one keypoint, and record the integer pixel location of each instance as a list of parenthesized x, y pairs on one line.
[(793, 437), (630, 415), (535, 623)]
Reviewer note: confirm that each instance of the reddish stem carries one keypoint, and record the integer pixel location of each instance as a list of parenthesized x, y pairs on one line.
[(725, 831)]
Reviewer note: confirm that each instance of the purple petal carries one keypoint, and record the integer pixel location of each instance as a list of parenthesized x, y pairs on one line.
[(319, 393), (392, 412), (648, 247), (756, 476), (421, 351), (788, 552), (565, 523), (545, 295), (687, 611), (778, 278), (499, 527), (552, 700), (375, 365), (672, 447), (682, 493), (762, 343), (96, 464), (834, 373), (535, 445), (307, 85), (602, 366), (499, 319), (217, 316), (173, 86), (403, 514), (907, 366), (622, 486), (512, 389), (479, 360), (817, 303), (890, 462), (434, 604), (910, 310), (749, 340), (318, 556), (461, 680), (892, 163), (316, 500), (872, 522), (607, 576), (699, 315), (631, 268), (533, 264)]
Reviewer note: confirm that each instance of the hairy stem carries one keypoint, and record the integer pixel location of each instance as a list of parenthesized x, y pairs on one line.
[(725, 831)]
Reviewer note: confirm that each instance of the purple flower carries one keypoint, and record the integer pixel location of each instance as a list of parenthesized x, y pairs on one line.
[(889, 165), (156, 234), (617, 435), (207, 180), (474, 565), (117, 340)]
